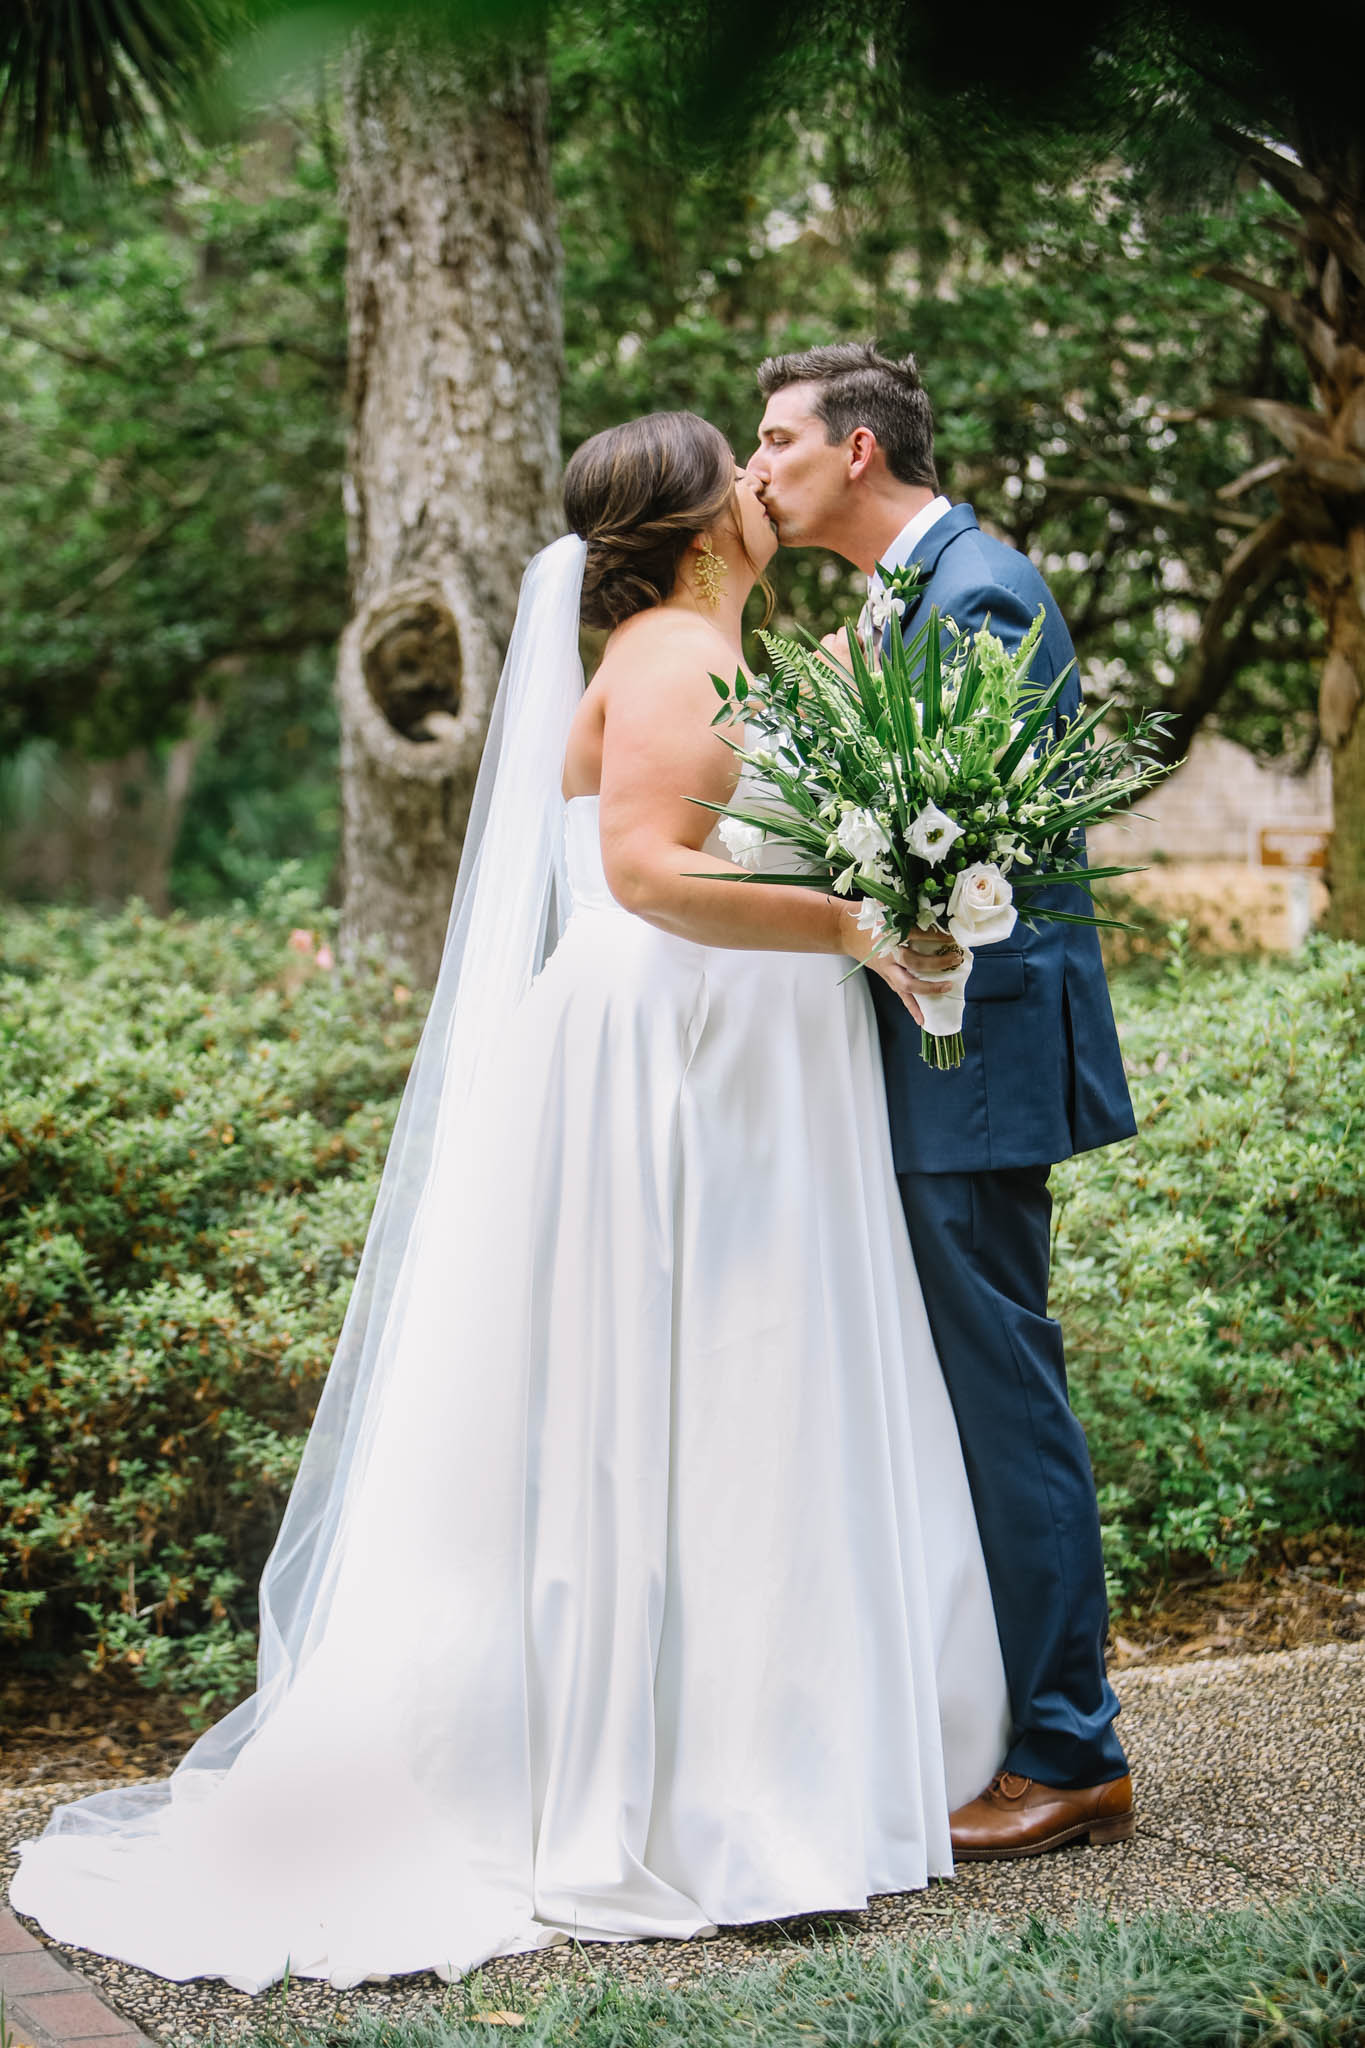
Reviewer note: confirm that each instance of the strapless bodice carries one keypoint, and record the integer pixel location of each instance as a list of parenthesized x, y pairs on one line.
[(583, 855), (583, 848)]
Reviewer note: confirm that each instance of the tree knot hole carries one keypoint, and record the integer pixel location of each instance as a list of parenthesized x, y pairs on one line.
[(412, 662)]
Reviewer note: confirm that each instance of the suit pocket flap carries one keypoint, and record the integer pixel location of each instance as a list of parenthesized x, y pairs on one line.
[(997, 975)]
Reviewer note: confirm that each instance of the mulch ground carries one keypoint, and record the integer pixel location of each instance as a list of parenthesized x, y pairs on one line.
[(106, 1728)]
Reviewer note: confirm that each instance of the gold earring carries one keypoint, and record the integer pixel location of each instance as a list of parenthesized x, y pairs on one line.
[(711, 572)]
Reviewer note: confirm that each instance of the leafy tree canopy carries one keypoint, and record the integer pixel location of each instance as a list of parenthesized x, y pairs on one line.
[(170, 436), (172, 432)]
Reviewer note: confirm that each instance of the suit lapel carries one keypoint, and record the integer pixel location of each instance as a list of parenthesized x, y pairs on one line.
[(928, 550)]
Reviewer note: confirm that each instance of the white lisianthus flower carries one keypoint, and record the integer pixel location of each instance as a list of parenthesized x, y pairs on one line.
[(981, 908), (862, 837), (932, 833), (741, 841)]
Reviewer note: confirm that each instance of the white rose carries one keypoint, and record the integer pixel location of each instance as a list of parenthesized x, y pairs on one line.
[(741, 841), (981, 908), (932, 833), (862, 837)]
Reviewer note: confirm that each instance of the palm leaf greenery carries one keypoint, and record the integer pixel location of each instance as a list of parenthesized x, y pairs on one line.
[(891, 780), (96, 73)]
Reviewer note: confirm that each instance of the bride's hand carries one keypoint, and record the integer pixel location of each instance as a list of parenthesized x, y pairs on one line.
[(927, 953), (905, 969)]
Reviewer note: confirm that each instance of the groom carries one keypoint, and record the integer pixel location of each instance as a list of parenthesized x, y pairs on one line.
[(845, 461)]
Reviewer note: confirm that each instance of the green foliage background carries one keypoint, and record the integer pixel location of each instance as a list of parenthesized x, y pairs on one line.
[(172, 421), (195, 1115)]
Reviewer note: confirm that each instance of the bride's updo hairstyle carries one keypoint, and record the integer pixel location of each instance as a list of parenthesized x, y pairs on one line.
[(637, 494)]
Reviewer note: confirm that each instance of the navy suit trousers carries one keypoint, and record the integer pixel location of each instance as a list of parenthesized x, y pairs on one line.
[(982, 1244)]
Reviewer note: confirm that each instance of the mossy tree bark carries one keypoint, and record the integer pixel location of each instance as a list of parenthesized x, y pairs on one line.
[(454, 348)]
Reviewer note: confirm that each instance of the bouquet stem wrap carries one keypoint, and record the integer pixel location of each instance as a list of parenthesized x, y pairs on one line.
[(942, 1031)]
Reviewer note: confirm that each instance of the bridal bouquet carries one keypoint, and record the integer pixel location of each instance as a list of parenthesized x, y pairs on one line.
[(930, 782)]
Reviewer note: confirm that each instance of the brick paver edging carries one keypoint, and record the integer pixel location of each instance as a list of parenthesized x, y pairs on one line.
[(47, 2005)]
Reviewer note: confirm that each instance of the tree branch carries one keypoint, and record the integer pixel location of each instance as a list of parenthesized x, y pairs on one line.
[(1315, 334), (1281, 173), (114, 571), (1300, 431), (84, 358), (1146, 501), (1305, 193), (1345, 241), (331, 360), (278, 345), (1226, 630), (1248, 480)]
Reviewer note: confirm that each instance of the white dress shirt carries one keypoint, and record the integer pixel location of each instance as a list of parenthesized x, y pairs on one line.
[(908, 539), (900, 551)]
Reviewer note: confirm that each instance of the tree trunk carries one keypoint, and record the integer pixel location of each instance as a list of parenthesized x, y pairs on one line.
[(1343, 728), (1321, 482), (455, 348), (98, 832)]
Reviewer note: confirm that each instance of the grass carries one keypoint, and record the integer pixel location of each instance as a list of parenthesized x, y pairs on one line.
[(1292, 1974)]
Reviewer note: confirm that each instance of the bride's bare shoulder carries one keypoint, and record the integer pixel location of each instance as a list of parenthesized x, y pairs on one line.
[(662, 644)]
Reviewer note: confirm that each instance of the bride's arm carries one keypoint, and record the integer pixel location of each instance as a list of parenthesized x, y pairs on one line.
[(658, 750)]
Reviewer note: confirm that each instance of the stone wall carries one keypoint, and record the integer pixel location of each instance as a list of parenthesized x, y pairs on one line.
[(1199, 843), (1214, 807)]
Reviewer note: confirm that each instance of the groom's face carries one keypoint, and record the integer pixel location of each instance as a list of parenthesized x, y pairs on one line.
[(800, 474)]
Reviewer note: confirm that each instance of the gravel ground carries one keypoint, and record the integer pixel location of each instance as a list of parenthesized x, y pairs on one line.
[(1250, 1775)]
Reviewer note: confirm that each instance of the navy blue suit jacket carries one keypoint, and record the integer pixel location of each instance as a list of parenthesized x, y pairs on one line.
[(1043, 1076)]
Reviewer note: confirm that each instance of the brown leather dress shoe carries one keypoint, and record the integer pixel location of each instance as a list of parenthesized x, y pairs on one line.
[(1017, 1816)]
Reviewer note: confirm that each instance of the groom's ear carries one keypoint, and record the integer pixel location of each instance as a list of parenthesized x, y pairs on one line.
[(862, 448)]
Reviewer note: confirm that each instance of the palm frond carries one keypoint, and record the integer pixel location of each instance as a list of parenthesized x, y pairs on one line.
[(97, 72)]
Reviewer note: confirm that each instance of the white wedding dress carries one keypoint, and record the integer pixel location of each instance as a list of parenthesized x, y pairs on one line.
[(667, 1608)]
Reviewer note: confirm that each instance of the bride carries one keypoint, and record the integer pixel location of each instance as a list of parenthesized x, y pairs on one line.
[(630, 1583)]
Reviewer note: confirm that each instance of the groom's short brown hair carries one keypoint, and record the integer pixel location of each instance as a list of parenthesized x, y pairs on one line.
[(859, 388)]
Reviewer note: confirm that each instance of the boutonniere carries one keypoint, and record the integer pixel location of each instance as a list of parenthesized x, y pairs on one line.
[(900, 590)]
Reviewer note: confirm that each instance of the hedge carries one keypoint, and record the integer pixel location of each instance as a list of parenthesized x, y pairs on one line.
[(193, 1116)]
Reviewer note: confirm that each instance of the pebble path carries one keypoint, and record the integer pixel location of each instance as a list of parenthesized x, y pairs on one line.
[(1250, 1779)]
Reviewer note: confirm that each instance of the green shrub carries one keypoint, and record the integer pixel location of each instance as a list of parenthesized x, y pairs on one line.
[(1211, 1276), (192, 1120)]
